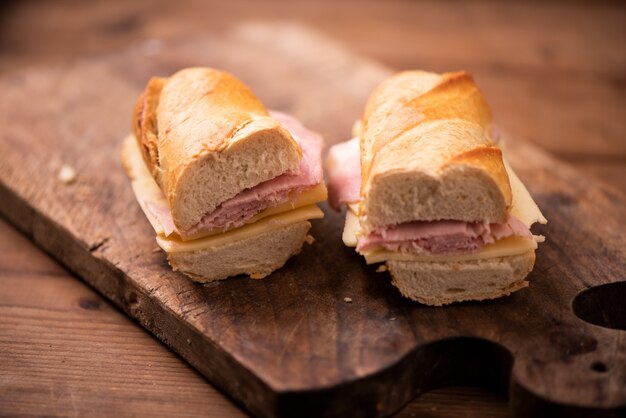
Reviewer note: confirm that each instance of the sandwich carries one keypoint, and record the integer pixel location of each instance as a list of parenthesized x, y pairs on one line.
[(228, 186), (429, 193)]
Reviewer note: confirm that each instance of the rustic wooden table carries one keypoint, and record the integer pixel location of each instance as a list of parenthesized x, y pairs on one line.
[(553, 72)]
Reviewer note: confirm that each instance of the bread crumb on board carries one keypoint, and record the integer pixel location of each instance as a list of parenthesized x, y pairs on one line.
[(257, 276), (67, 174), (309, 239), (381, 268), (347, 299)]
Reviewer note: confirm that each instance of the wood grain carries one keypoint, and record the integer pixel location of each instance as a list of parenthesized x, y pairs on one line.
[(244, 323), (34, 32), (68, 352), (59, 335), (553, 71)]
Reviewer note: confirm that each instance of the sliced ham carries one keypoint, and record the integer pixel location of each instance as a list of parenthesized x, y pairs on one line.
[(344, 173), (441, 237), (419, 237), (239, 209)]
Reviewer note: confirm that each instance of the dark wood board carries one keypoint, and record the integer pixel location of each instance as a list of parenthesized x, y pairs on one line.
[(289, 345)]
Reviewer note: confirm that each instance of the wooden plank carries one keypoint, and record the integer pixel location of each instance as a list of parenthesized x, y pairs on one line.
[(67, 352), (332, 357), (57, 334)]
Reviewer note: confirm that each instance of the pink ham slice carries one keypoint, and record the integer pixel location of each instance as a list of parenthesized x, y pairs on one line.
[(239, 209), (441, 237), (344, 179), (420, 237)]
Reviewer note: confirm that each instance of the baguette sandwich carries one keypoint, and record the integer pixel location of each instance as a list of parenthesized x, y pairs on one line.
[(430, 195), (228, 186)]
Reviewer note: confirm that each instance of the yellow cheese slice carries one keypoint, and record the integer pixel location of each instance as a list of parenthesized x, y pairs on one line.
[(523, 207), (144, 186), (350, 229), (147, 192), (172, 245)]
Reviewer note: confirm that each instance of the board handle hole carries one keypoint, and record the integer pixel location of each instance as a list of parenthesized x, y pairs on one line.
[(599, 367), (603, 305)]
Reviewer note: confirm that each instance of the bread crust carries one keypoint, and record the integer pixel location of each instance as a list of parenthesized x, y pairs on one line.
[(428, 127), (145, 124), (202, 124)]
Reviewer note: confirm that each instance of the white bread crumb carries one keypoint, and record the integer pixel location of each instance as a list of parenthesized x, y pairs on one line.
[(347, 300), (381, 268), (67, 175), (257, 276)]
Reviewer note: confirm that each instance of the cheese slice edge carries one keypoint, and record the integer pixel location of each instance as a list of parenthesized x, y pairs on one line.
[(143, 184), (351, 229), (172, 245), (523, 207)]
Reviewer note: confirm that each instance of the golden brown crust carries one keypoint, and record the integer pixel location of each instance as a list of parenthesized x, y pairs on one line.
[(190, 95), (417, 97), (187, 98), (145, 124), (488, 158)]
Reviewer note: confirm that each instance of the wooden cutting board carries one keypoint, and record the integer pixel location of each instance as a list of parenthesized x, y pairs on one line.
[(290, 345)]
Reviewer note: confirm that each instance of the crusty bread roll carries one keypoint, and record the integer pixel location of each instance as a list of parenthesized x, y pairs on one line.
[(427, 153), (206, 137)]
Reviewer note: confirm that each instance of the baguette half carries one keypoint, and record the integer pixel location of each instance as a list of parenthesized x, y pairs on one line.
[(205, 137)]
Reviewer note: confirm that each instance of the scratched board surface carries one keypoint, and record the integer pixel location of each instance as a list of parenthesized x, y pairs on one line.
[(289, 345)]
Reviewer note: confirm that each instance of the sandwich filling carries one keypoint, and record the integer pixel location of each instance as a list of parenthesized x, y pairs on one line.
[(441, 237), (422, 238)]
